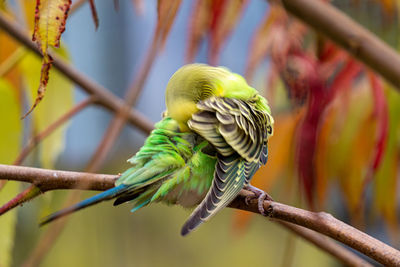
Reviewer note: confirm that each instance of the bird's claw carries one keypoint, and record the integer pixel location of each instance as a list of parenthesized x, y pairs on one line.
[(261, 196)]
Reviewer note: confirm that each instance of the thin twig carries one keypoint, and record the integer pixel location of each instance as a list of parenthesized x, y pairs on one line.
[(34, 141), (76, 5), (31, 192), (103, 96), (8, 64), (320, 222), (118, 122), (41, 249), (347, 33)]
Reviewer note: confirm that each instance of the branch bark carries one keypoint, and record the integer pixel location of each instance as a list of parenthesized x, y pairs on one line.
[(347, 257), (325, 224), (351, 36), (321, 222)]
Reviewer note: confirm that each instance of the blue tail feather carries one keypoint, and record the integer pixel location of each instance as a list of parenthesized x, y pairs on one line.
[(106, 195), (140, 205)]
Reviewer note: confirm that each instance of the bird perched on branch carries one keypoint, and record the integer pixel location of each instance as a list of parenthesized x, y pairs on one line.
[(212, 139)]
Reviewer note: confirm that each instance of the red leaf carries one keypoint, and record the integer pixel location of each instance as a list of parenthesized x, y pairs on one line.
[(382, 117), (215, 18), (225, 15), (307, 78), (345, 77)]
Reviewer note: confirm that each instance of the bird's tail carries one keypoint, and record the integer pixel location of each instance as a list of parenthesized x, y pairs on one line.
[(106, 195)]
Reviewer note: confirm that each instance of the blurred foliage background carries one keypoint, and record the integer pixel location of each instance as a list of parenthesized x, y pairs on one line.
[(338, 153)]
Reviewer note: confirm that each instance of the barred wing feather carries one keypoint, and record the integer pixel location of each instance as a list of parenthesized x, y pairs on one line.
[(238, 131)]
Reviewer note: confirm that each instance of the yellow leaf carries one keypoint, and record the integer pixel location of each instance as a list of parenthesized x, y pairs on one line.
[(10, 126), (58, 101), (350, 142), (50, 18), (10, 142), (385, 182)]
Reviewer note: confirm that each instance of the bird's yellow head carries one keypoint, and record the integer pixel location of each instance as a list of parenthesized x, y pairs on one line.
[(195, 82)]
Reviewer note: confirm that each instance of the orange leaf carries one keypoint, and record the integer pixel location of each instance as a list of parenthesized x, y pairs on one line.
[(389, 6), (198, 27), (262, 39), (357, 165), (166, 10), (322, 165)]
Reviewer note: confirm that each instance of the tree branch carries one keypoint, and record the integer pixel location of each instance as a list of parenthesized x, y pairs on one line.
[(48, 180), (325, 224), (321, 222), (347, 257), (357, 40), (103, 96)]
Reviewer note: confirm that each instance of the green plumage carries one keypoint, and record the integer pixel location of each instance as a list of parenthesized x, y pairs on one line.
[(170, 167), (212, 140)]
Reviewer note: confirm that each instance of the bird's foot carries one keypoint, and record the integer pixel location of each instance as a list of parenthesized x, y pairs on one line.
[(260, 195)]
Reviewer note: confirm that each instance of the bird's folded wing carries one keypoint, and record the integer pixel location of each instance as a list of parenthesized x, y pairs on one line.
[(239, 134)]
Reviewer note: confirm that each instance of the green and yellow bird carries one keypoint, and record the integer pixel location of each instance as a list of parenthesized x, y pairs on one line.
[(212, 139)]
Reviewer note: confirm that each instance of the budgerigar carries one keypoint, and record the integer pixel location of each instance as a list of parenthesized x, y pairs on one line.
[(212, 139)]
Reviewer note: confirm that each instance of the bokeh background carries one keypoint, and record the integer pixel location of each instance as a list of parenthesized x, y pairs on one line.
[(111, 55)]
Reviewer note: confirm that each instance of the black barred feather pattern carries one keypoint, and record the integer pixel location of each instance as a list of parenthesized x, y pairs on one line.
[(229, 177), (232, 125), (239, 132)]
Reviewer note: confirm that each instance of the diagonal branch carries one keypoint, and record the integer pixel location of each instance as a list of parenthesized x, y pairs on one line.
[(34, 141), (321, 222)]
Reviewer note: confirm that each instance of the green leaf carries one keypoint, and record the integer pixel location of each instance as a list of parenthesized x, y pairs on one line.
[(10, 143), (58, 100), (386, 176)]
